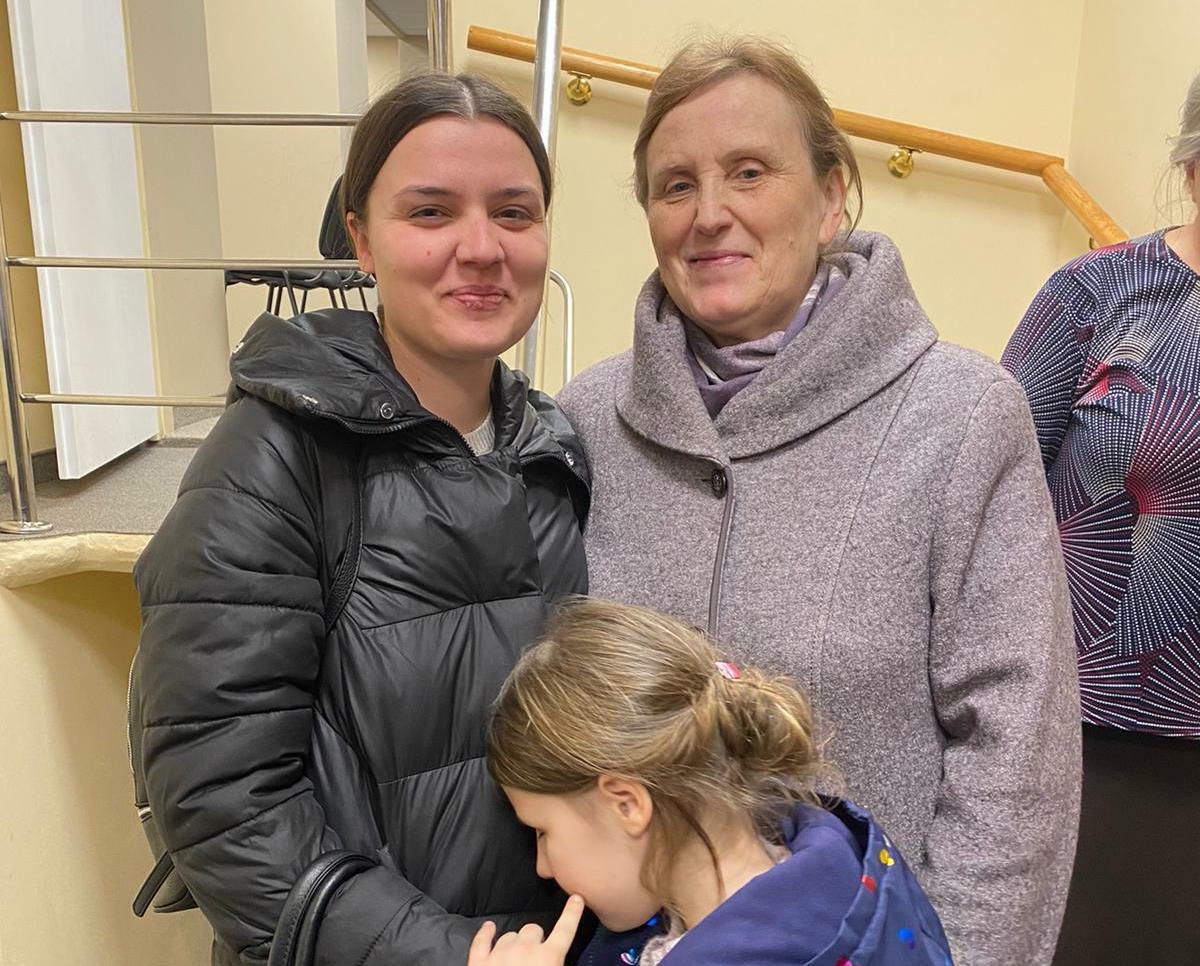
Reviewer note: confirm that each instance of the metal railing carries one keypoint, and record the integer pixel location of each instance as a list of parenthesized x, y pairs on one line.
[(440, 30), (19, 463), (547, 57)]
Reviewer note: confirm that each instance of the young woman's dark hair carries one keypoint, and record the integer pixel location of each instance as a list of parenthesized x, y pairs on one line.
[(417, 99)]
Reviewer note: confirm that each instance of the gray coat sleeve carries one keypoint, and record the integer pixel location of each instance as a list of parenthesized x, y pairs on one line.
[(1004, 683)]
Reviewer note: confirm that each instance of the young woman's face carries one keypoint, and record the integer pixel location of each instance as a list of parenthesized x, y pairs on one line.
[(455, 234), (592, 850)]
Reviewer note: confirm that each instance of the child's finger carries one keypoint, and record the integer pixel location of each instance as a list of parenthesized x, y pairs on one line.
[(508, 939), (564, 930), (481, 945)]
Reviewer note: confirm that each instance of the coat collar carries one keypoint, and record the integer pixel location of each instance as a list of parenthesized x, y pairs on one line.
[(868, 335), (334, 364)]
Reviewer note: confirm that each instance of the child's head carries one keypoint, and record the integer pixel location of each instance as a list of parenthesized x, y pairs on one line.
[(621, 740)]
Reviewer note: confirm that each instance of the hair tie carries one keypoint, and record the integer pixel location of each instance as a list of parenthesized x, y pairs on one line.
[(729, 670)]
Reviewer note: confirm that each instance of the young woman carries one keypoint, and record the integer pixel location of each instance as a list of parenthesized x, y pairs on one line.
[(264, 737)]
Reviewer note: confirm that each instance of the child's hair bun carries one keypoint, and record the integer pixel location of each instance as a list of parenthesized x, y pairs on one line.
[(765, 725)]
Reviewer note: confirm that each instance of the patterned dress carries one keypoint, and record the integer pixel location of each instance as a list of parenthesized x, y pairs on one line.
[(1109, 355)]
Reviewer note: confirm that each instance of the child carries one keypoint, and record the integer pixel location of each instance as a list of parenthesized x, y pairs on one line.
[(672, 792)]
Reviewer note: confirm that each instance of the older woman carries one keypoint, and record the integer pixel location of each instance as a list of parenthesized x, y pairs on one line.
[(361, 549), (789, 456), (1109, 353)]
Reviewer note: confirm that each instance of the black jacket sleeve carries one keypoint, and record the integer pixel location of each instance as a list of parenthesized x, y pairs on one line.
[(223, 695)]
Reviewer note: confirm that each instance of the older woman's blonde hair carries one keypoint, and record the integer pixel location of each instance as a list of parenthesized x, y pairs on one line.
[(613, 689), (703, 62)]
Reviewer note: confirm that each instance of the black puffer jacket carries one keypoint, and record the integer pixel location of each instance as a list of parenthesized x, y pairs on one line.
[(263, 742)]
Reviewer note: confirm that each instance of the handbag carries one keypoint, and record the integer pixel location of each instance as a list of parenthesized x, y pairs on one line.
[(295, 942)]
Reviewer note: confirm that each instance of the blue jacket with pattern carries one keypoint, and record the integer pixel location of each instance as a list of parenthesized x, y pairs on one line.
[(845, 897)]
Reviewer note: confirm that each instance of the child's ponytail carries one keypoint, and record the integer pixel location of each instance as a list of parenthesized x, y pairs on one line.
[(767, 728)]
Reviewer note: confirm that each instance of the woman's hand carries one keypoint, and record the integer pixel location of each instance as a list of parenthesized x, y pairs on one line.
[(527, 947)]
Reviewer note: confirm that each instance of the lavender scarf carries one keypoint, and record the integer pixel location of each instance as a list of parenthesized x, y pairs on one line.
[(722, 372)]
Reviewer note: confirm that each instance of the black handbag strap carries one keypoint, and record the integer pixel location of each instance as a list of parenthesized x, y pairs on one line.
[(295, 942), (154, 881)]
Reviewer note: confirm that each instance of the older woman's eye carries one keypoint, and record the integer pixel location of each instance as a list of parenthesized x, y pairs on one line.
[(749, 174)]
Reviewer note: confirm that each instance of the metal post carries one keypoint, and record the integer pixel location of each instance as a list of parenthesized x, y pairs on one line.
[(19, 464), (568, 324), (545, 113), (440, 35)]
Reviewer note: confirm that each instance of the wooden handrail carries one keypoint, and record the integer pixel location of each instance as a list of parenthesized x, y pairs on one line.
[(1050, 168), (574, 61), (1083, 206)]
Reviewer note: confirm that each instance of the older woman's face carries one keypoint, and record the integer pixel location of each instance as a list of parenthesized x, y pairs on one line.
[(736, 213)]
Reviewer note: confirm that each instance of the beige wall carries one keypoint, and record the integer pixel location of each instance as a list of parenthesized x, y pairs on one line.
[(383, 63), (74, 854), (1136, 63), (390, 58), (280, 56), (977, 243), (169, 72)]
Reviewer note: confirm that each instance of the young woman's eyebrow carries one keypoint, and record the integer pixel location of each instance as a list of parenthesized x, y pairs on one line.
[(426, 191), (519, 191), (436, 191)]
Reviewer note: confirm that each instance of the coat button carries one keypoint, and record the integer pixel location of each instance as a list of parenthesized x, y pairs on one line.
[(719, 483), (386, 411)]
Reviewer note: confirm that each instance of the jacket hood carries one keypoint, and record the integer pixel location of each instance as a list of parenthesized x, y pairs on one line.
[(334, 364), (869, 334), (849, 898), (748, 929)]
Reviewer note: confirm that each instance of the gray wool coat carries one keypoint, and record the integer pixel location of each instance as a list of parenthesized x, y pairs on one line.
[(870, 516)]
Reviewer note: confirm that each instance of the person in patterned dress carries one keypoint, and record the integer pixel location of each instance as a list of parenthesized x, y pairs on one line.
[(1109, 355)]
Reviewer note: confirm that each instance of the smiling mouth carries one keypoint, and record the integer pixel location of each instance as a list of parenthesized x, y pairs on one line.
[(717, 259), (479, 297)]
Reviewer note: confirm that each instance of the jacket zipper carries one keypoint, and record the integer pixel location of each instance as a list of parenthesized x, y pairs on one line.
[(129, 726), (397, 427), (714, 590)]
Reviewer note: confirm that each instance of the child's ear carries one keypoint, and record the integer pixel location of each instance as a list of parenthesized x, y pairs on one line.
[(629, 801)]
